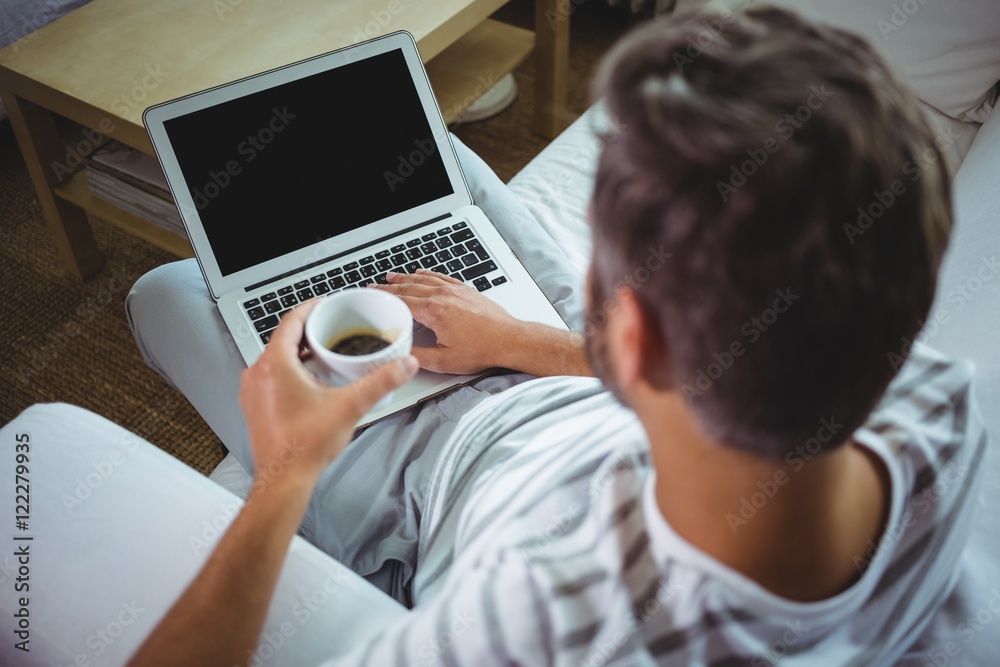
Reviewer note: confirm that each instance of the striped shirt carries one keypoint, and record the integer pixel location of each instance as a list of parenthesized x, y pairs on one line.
[(542, 543)]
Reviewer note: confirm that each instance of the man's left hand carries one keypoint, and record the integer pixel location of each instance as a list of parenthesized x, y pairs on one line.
[(298, 424)]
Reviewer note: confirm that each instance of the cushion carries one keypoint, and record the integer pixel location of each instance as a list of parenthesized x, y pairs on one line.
[(949, 52)]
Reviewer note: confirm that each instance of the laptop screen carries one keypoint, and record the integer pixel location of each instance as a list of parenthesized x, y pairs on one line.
[(284, 168)]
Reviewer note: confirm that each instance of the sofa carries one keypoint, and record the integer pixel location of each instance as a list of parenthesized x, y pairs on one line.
[(19, 19), (949, 53), (926, 43), (176, 518)]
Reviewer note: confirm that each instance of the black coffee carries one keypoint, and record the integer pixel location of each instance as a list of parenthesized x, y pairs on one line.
[(359, 344)]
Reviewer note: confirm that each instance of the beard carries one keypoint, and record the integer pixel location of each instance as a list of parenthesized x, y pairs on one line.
[(595, 336)]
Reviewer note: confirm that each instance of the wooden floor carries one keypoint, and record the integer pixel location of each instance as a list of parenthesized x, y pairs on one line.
[(70, 342)]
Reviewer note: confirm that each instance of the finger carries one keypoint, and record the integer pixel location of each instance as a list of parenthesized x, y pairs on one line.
[(440, 276), (421, 277), (370, 389), (287, 337), (408, 289), (432, 358), (420, 307)]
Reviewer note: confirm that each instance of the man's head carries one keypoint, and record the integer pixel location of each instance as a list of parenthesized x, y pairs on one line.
[(805, 209)]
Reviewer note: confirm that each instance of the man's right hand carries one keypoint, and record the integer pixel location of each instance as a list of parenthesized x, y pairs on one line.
[(474, 333), (471, 330)]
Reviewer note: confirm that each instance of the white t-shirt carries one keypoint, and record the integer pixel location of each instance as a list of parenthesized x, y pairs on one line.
[(542, 542)]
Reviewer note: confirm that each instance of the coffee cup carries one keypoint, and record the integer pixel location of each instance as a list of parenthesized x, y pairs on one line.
[(354, 332)]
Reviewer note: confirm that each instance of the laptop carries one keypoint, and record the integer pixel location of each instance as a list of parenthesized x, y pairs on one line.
[(321, 176)]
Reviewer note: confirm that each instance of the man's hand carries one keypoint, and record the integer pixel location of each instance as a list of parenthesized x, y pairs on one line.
[(472, 331), (298, 424)]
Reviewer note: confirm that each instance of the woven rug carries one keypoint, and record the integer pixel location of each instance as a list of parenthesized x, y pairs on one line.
[(70, 342)]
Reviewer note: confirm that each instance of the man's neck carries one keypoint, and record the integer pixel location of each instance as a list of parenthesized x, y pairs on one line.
[(795, 530)]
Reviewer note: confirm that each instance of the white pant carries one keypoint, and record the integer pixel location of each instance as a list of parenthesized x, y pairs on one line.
[(120, 528), (366, 509)]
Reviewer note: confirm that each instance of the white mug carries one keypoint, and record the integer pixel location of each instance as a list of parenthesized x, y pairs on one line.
[(358, 309)]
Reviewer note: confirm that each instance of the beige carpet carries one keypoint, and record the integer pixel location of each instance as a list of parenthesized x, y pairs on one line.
[(70, 342)]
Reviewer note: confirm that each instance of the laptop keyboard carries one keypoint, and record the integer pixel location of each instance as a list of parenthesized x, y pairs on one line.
[(452, 250)]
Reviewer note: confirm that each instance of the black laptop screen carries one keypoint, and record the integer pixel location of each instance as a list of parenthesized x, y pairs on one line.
[(286, 167)]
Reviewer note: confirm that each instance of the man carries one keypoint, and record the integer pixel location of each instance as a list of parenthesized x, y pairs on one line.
[(750, 481)]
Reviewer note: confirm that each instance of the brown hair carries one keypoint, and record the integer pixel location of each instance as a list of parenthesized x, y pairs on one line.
[(797, 188)]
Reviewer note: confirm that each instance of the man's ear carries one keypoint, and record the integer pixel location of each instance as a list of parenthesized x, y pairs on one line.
[(640, 350)]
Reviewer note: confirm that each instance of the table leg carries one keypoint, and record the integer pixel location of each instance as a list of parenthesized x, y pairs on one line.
[(42, 149), (551, 65)]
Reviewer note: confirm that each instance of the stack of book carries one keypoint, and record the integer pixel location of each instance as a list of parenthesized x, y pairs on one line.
[(133, 181)]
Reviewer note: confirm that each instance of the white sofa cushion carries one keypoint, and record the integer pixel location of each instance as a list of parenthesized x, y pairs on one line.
[(555, 187), (121, 528), (948, 51), (963, 323)]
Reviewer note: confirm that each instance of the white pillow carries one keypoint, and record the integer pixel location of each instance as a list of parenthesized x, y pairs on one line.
[(948, 50)]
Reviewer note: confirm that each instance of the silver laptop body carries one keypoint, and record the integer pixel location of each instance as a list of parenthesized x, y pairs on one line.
[(320, 176)]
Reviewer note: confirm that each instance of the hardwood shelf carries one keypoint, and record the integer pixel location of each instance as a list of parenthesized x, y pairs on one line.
[(459, 75), (475, 63), (76, 190), (102, 64)]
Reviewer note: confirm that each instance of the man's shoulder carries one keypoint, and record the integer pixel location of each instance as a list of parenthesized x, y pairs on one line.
[(927, 373), (929, 402)]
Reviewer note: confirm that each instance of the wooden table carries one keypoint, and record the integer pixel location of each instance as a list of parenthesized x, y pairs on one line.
[(104, 64)]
